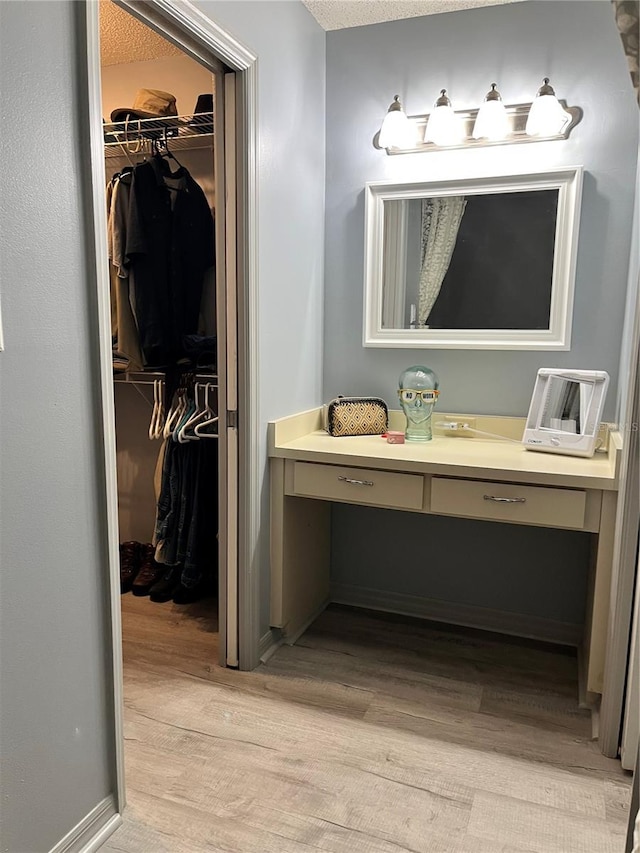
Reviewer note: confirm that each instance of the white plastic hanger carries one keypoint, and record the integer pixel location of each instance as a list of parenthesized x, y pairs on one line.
[(157, 414), (182, 435), (210, 419), (153, 411), (176, 411), (161, 409), (201, 413)]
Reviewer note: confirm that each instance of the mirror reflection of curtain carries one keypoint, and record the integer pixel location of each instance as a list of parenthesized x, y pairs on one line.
[(627, 14), (395, 261), (441, 218)]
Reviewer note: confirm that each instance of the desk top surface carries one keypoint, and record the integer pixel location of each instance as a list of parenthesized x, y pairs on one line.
[(291, 438)]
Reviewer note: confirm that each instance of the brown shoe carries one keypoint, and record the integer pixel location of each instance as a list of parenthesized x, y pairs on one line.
[(149, 572), (129, 564)]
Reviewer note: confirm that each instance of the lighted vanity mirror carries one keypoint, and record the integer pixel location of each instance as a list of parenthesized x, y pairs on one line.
[(566, 411), (472, 263)]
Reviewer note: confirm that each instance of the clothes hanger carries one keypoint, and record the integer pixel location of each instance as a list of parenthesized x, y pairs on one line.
[(212, 420), (204, 415), (154, 411), (200, 413), (159, 418), (195, 411), (176, 411), (188, 407), (201, 429), (186, 416), (162, 411), (163, 152)]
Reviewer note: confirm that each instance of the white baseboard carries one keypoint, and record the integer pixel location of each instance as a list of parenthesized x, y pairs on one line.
[(269, 643), (92, 831), (516, 624)]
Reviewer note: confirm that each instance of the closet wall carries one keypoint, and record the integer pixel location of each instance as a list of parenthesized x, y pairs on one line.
[(136, 453)]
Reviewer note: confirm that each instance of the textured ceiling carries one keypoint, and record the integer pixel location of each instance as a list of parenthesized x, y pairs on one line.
[(124, 39), (337, 14), (141, 43)]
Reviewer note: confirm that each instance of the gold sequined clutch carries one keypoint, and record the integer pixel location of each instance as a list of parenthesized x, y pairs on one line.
[(357, 416)]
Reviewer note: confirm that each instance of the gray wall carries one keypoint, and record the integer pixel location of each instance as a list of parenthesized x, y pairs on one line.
[(532, 571), (56, 728), (577, 45), (291, 87), (56, 731)]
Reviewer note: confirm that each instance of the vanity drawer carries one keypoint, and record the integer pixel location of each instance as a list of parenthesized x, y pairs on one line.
[(358, 485), (507, 502)]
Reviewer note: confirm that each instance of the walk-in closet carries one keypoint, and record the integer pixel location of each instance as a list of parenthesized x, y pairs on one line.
[(166, 255)]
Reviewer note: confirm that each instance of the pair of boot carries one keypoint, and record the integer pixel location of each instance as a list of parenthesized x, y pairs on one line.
[(139, 571), (170, 588), (140, 574)]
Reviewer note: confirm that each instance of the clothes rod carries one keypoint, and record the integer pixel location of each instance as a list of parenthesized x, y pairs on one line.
[(144, 378)]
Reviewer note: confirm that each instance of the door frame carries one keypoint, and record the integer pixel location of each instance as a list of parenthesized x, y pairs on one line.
[(187, 27), (628, 513), (630, 741)]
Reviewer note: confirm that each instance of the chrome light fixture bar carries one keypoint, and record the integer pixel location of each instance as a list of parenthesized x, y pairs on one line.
[(522, 125)]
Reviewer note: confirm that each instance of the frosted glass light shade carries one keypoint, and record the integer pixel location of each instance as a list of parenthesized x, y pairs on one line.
[(491, 122), (397, 130), (443, 126), (546, 116)]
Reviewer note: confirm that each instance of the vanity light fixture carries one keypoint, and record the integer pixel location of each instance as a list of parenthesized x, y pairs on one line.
[(397, 130), (443, 125), (494, 123), (546, 116)]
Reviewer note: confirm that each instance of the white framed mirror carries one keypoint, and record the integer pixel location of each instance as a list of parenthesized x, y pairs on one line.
[(472, 262)]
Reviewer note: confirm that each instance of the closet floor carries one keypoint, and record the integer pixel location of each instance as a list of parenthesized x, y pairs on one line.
[(373, 734)]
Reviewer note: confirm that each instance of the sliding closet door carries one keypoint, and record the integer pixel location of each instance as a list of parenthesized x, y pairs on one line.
[(227, 319)]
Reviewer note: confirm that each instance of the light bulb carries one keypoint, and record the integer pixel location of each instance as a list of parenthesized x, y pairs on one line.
[(492, 121), (397, 130), (546, 115), (443, 125)]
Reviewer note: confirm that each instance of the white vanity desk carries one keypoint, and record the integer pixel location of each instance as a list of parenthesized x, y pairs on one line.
[(456, 476)]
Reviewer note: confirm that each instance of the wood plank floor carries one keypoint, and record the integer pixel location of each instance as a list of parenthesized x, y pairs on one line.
[(373, 734)]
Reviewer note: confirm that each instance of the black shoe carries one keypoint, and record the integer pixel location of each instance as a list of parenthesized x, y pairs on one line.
[(129, 564), (189, 594), (149, 573), (164, 589)]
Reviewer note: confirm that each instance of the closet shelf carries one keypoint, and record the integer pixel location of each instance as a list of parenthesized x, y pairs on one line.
[(134, 136)]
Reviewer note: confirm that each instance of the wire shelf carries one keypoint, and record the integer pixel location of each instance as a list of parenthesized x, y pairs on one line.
[(148, 377), (135, 135)]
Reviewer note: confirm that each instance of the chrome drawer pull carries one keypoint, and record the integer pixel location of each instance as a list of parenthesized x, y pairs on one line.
[(356, 482), (505, 500)]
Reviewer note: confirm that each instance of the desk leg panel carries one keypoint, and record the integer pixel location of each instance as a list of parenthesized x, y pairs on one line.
[(300, 556), (599, 596)]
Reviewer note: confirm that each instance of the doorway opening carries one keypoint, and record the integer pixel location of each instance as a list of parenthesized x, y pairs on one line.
[(173, 143)]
